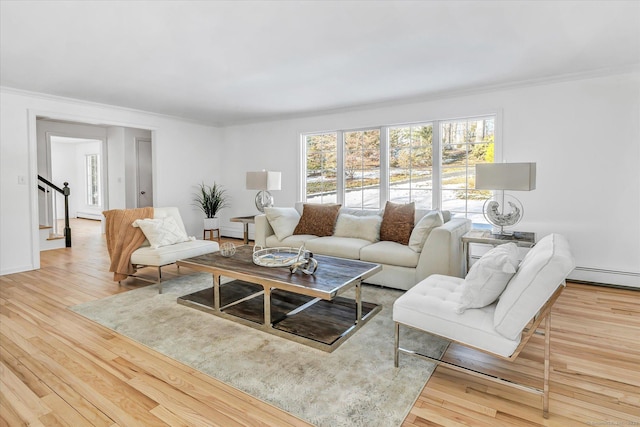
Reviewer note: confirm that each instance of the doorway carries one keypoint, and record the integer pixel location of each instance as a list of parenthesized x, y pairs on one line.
[(106, 166), (144, 173)]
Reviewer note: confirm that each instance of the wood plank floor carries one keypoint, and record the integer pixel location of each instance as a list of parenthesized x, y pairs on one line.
[(57, 368)]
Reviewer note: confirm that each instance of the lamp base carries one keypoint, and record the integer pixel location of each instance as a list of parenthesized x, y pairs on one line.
[(264, 199), (504, 213)]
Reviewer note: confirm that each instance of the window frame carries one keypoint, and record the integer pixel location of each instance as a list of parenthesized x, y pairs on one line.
[(96, 180), (437, 151)]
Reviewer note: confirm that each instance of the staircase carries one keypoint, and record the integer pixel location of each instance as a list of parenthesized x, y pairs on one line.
[(49, 240)]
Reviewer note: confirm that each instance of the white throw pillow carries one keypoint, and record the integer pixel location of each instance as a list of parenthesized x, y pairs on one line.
[(162, 231), (282, 220), (489, 277), (359, 227), (423, 228)]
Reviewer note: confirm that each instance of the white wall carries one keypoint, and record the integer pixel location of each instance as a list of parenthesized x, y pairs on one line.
[(587, 155), (178, 164), (583, 134)]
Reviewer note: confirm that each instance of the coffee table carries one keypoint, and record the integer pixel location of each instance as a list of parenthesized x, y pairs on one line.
[(310, 309)]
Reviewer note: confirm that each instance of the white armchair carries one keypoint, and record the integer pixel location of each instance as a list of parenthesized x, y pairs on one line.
[(501, 328), (130, 250)]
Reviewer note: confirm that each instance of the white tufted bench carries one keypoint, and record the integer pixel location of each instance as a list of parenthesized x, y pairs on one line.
[(501, 328)]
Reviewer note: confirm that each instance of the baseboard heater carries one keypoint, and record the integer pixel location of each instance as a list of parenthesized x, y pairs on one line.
[(602, 277)]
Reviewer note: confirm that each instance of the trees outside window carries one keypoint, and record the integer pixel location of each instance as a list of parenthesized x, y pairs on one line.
[(430, 163), (321, 167)]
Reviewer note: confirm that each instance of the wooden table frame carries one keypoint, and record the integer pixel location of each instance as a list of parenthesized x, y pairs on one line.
[(334, 277)]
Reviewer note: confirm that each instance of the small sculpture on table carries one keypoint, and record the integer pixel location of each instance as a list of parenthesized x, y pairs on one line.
[(305, 263), (227, 249)]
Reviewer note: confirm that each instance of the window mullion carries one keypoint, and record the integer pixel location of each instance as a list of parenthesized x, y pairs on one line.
[(384, 165), (340, 196), (436, 195)]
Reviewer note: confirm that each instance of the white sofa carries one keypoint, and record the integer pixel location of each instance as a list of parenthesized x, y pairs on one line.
[(402, 266), (148, 256)]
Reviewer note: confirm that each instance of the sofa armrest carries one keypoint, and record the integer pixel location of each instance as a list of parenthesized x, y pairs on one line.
[(442, 252), (262, 230)]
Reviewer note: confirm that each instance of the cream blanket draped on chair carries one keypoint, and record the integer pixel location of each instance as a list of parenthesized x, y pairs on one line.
[(123, 238)]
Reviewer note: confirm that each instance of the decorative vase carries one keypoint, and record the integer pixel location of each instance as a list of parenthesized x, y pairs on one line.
[(211, 223)]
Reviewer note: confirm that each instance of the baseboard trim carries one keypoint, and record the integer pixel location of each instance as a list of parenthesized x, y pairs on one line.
[(89, 215), (599, 276), (16, 270)]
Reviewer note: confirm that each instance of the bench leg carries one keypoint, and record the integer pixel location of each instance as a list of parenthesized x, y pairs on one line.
[(397, 346), (547, 353), (160, 279)]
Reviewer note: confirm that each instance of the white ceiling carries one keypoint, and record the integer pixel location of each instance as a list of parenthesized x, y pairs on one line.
[(225, 62)]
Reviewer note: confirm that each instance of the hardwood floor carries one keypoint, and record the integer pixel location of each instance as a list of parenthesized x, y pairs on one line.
[(58, 368)]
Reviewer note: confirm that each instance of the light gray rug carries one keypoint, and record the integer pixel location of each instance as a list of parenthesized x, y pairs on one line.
[(356, 385)]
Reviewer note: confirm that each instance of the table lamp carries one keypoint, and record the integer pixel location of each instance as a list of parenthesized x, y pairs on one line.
[(505, 176), (263, 181)]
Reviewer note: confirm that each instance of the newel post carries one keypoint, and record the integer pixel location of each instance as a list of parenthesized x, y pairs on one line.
[(66, 191)]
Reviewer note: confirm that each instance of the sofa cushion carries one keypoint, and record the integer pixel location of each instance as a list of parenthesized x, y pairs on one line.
[(391, 253), (489, 276), (282, 220), (342, 247), (397, 222), (359, 227), (293, 241), (423, 228), (317, 219), (162, 231), (431, 306), (543, 269)]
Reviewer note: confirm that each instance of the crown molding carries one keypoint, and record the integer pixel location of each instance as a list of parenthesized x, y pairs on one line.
[(433, 96), (57, 98), (447, 94)]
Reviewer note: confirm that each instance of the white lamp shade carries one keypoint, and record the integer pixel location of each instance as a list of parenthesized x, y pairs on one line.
[(263, 180), (506, 176)]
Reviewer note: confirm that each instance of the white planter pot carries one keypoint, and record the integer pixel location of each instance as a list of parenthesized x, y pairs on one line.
[(211, 223)]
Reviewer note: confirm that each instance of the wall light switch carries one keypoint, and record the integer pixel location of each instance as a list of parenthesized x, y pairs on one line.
[(22, 180)]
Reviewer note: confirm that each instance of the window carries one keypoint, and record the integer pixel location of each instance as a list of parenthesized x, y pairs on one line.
[(362, 169), (430, 163), (465, 143), (321, 167), (93, 180), (411, 165)]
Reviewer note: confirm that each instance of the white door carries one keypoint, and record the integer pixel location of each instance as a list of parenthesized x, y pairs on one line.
[(144, 172)]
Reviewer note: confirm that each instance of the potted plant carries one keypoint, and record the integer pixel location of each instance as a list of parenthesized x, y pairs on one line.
[(210, 200)]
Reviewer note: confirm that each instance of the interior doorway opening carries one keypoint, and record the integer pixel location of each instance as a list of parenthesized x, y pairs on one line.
[(102, 164)]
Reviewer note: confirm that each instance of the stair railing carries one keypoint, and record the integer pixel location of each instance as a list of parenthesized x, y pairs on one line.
[(65, 191)]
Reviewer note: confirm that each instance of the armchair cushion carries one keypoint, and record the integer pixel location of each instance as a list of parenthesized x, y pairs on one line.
[(542, 270), (431, 306), (162, 231), (489, 276)]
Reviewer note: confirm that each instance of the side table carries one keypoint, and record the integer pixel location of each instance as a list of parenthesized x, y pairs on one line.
[(245, 220), (211, 235), (522, 239)]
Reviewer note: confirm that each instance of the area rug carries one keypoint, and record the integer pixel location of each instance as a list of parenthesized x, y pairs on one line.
[(356, 385)]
